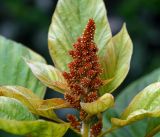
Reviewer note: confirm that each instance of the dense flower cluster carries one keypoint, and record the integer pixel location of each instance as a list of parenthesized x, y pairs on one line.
[(74, 121), (84, 76), (96, 129)]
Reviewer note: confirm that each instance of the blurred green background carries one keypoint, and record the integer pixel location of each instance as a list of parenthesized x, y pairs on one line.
[(27, 21)]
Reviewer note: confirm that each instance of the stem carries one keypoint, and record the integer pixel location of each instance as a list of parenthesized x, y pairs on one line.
[(85, 129)]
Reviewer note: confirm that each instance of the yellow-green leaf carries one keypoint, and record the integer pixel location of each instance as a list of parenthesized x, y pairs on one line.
[(143, 105), (122, 101), (54, 103), (116, 62), (13, 69), (153, 128), (104, 102), (48, 75), (11, 108), (15, 118), (35, 104), (68, 22), (37, 128)]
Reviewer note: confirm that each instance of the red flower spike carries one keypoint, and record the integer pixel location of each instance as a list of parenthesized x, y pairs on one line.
[(71, 118), (85, 52), (76, 89), (84, 71), (72, 65), (91, 73), (92, 96), (76, 46), (96, 129), (81, 71), (88, 66), (89, 31), (85, 82), (72, 73), (82, 114), (96, 83), (73, 100), (66, 75), (74, 121), (93, 47), (87, 58)]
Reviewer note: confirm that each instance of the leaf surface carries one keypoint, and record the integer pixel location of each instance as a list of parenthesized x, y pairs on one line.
[(49, 76), (16, 118), (34, 103), (68, 22), (14, 71), (116, 62), (37, 128), (104, 102), (122, 100), (153, 128), (67, 25), (145, 104), (13, 109)]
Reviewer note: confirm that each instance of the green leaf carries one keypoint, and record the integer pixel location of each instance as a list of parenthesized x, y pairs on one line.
[(14, 71), (37, 128), (68, 22), (67, 25), (34, 103), (122, 100), (104, 102), (15, 118), (153, 128), (126, 95), (145, 104), (48, 75), (14, 110), (116, 62)]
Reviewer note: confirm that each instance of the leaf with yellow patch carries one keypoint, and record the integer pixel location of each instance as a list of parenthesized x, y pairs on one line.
[(101, 104), (68, 22), (13, 69), (48, 75), (35, 104), (15, 118), (143, 105), (37, 128), (116, 61)]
